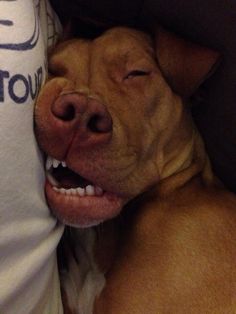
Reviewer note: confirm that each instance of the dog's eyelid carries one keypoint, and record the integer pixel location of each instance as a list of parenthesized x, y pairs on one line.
[(56, 68), (59, 72), (136, 73)]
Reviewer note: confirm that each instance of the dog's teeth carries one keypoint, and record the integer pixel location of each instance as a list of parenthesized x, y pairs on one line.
[(63, 163), (98, 191), (90, 190), (55, 163), (80, 191), (52, 162), (48, 163), (60, 190), (73, 191), (52, 180)]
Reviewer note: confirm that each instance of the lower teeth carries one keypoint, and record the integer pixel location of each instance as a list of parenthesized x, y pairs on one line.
[(88, 191)]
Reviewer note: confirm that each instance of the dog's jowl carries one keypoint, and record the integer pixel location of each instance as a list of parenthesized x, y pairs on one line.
[(125, 159)]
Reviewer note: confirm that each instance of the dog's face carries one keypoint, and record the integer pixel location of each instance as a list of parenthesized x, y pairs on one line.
[(112, 120)]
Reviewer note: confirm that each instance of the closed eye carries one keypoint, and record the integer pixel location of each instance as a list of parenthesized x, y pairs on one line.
[(136, 73), (56, 71)]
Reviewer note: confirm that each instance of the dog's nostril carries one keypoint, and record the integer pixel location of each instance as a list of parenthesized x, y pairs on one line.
[(87, 115), (100, 124), (93, 123), (67, 113)]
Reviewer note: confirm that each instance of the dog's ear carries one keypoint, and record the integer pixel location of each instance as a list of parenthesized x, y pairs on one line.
[(184, 65)]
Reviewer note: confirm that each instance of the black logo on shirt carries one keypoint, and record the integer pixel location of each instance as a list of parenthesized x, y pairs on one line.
[(9, 25), (30, 86)]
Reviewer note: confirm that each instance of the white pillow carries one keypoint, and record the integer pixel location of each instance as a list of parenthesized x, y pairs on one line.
[(28, 233)]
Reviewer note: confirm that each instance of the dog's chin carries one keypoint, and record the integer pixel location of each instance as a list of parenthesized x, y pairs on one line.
[(82, 211)]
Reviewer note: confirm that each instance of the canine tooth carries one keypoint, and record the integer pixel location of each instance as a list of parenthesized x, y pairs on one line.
[(90, 190), (80, 191), (55, 189), (98, 191), (48, 163), (52, 180), (63, 163), (55, 163)]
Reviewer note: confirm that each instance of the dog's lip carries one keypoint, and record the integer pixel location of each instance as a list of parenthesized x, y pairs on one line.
[(76, 209), (83, 211)]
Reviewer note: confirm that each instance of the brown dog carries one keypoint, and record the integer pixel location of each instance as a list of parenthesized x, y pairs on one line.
[(119, 137)]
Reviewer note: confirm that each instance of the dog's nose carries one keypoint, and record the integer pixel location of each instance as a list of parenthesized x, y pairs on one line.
[(89, 117)]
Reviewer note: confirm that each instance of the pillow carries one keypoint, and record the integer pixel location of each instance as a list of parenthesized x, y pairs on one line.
[(28, 233)]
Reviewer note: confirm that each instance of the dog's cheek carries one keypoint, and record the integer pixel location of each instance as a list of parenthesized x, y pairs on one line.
[(162, 112)]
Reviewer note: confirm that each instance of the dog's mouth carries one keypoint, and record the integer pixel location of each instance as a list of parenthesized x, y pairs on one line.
[(74, 199), (66, 181)]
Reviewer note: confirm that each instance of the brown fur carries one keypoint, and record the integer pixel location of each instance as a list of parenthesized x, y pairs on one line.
[(174, 245)]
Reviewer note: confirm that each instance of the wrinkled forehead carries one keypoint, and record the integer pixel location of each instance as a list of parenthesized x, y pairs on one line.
[(123, 42), (114, 46)]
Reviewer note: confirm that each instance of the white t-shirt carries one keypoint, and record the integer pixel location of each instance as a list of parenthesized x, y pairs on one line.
[(28, 233)]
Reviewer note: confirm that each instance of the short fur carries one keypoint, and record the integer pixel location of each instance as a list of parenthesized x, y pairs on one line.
[(169, 244)]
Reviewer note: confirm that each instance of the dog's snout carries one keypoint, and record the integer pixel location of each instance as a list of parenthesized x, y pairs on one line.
[(89, 116)]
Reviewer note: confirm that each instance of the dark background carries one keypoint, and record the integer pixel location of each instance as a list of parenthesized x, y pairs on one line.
[(208, 22)]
